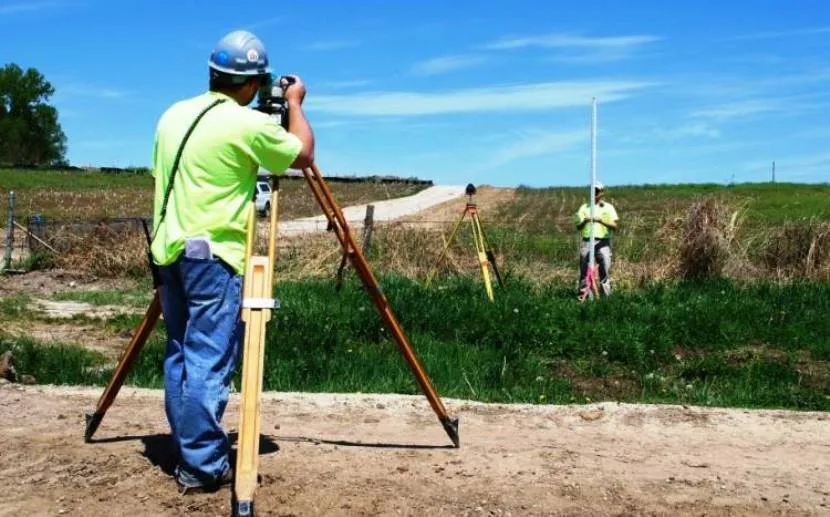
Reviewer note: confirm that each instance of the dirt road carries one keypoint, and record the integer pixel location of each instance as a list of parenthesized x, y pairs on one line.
[(385, 210), (359, 455)]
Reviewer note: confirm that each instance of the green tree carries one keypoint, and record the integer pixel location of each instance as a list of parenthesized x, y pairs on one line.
[(30, 133)]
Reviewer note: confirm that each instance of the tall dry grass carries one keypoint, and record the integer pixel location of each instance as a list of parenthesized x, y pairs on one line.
[(798, 250), (103, 251), (707, 239)]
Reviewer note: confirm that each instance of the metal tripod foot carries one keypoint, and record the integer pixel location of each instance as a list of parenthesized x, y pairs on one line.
[(451, 427), (93, 420), (243, 509)]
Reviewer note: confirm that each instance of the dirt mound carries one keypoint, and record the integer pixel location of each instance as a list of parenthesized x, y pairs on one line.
[(361, 455)]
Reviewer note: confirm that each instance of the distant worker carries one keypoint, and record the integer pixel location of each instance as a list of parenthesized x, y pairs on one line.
[(200, 241), (605, 221)]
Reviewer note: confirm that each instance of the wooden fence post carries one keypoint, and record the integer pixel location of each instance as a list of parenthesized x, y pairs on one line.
[(368, 226), (7, 258)]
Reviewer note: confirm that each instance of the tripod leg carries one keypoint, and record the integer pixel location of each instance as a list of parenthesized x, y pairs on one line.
[(93, 420), (482, 256), (489, 251), (256, 297), (247, 451), (341, 228), (446, 249)]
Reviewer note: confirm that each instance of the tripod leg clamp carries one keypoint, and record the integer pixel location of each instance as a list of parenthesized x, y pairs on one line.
[(260, 303)]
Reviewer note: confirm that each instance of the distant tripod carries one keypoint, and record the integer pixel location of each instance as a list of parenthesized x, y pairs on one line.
[(485, 254)]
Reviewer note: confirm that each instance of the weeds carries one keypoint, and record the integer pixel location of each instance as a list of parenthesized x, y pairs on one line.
[(707, 240), (712, 342), (800, 249)]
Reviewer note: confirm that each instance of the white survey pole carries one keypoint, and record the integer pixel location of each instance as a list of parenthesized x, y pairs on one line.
[(591, 257)]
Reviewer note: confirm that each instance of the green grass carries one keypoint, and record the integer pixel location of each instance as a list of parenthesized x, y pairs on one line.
[(56, 364), (14, 305), (715, 343)]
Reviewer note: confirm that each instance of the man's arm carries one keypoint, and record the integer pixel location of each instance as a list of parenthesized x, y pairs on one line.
[(613, 219), (298, 124)]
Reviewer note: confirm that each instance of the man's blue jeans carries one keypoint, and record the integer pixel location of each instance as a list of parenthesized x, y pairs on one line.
[(201, 301)]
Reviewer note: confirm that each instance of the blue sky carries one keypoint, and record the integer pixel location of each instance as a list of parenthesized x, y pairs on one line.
[(489, 92)]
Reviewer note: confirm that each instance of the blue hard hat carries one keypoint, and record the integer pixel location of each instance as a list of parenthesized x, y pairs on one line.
[(240, 53)]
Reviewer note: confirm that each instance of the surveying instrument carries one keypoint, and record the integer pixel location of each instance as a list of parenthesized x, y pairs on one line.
[(592, 288), (486, 258), (257, 307)]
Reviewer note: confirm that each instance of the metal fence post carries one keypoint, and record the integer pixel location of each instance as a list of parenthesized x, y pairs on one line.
[(7, 258), (368, 226)]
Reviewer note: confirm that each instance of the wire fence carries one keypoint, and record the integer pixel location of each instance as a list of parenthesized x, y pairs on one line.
[(417, 247)]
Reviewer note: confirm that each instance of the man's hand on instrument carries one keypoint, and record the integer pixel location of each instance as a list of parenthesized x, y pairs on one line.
[(295, 91)]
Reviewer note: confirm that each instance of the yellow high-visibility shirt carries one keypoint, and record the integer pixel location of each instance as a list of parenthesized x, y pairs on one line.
[(217, 174), (604, 211)]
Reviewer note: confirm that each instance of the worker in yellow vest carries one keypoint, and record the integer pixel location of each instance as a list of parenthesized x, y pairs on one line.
[(605, 222)]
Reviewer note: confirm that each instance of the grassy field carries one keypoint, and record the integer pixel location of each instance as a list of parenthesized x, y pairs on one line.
[(711, 343), (763, 230), (87, 195), (721, 340)]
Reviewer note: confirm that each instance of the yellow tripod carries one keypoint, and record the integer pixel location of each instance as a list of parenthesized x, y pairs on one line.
[(486, 258)]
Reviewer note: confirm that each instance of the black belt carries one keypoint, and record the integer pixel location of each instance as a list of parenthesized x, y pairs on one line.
[(597, 241)]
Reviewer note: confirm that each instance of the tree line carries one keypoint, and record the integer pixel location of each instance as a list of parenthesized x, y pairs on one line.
[(30, 133)]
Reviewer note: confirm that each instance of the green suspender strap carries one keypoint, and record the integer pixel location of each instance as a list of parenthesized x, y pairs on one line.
[(170, 183)]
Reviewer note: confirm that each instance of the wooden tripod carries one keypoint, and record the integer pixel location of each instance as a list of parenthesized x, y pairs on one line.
[(257, 307)]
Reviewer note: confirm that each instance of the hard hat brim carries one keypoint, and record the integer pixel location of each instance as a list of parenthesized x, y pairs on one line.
[(231, 71)]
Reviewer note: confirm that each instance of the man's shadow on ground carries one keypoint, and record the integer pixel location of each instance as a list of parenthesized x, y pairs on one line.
[(161, 452)]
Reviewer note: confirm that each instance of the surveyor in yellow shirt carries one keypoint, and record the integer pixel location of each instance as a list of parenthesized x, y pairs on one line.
[(200, 214), (605, 222)]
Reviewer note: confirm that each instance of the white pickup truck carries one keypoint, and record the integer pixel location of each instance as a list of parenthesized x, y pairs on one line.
[(263, 198)]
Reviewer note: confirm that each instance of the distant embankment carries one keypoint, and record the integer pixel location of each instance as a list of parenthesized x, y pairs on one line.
[(291, 174)]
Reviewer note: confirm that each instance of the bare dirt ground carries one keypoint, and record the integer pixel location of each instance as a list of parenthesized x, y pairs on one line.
[(48, 282), (361, 455)]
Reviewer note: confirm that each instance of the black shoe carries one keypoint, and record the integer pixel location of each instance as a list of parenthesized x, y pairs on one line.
[(190, 484)]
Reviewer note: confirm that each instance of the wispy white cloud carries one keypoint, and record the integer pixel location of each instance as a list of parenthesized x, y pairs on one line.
[(333, 123), (578, 49), (784, 105), (563, 40), (86, 90), (265, 22), (445, 64), (808, 31), (523, 97), (337, 85), (326, 45), (22, 7), (766, 84), (529, 143), (738, 109), (687, 130)]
